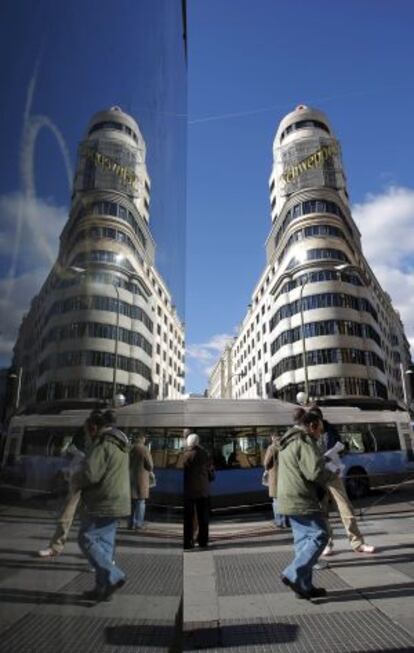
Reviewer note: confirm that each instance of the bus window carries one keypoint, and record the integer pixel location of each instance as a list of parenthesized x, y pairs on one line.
[(356, 438), (175, 448), (386, 436), (35, 442), (235, 448), (223, 447), (264, 439), (59, 444), (12, 455), (156, 442)]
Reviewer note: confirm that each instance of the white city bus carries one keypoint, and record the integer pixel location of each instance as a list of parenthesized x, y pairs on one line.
[(378, 445)]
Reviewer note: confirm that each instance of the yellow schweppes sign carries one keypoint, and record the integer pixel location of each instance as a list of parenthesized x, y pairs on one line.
[(315, 160), (106, 163)]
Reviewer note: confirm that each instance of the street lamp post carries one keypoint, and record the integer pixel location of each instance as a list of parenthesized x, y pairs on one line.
[(304, 399), (18, 380), (116, 347), (302, 328), (76, 271), (404, 373)]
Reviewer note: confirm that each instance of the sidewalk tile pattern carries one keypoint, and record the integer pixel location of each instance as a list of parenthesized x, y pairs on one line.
[(147, 573), (36, 633), (338, 632), (251, 573), (406, 568)]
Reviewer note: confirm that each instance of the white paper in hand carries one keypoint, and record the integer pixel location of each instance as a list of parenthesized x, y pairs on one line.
[(333, 461)]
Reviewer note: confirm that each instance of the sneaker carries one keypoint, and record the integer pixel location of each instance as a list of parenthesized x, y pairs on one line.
[(328, 550), (317, 592), (365, 548), (48, 553), (321, 564)]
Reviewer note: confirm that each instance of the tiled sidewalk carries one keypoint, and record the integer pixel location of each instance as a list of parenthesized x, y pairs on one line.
[(41, 609), (234, 599)]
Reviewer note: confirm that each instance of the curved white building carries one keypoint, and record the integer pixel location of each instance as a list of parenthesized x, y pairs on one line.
[(104, 322), (317, 301)]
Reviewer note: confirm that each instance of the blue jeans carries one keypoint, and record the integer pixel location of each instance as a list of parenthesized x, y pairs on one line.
[(137, 512), (96, 540), (310, 536), (280, 520)]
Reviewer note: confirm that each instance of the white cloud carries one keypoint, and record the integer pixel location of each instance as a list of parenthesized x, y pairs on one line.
[(386, 222), (26, 261), (15, 297), (206, 354), (42, 222)]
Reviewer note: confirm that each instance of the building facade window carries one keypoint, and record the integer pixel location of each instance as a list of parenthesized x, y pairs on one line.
[(328, 356), (94, 359), (334, 386), (100, 303), (303, 124), (309, 207), (323, 300), (96, 330), (325, 328), (318, 276), (319, 253)]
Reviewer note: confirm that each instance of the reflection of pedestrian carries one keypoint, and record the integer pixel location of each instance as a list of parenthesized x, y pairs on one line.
[(336, 489), (270, 463), (64, 523), (57, 543), (302, 478), (104, 484), (198, 472), (140, 466)]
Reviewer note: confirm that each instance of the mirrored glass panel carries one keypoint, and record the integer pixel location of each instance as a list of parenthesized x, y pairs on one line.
[(92, 252)]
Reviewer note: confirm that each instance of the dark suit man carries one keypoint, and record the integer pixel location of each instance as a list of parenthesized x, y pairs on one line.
[(198, 472)]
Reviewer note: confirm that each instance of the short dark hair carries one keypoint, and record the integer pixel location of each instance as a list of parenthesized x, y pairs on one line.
[(315, 409), (96, 418), (311, 417), (109, 417), (298, 415)]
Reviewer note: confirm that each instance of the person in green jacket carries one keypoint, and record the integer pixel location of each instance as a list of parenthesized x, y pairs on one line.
[(105, 495), (302, 479)]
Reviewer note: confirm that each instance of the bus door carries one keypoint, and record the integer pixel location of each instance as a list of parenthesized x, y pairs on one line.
[(13, 445), (12, 470), (407, 437), (390, 457), (34, 457)]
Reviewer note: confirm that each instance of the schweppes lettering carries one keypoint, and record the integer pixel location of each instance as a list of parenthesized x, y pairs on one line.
[(315, 160), (106, 163)]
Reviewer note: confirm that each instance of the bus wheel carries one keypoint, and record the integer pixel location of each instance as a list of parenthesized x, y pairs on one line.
[(357, 483)]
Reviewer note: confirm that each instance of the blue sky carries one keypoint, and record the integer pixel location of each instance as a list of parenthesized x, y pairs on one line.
[(250, 63)]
